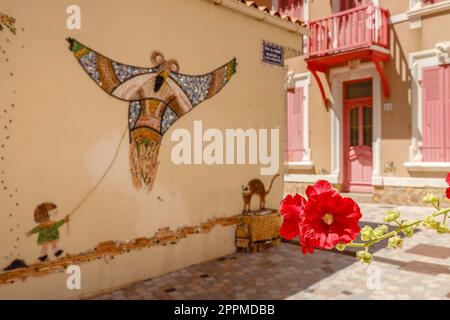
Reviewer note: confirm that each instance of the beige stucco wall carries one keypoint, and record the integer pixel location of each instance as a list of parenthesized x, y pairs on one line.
[(396, 124), (64, 131)]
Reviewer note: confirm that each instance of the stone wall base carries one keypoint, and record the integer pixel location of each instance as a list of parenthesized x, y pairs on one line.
[(399, 196), (406, 196)]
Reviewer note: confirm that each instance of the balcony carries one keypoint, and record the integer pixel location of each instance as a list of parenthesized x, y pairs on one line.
[(357, 34), (354, 29)]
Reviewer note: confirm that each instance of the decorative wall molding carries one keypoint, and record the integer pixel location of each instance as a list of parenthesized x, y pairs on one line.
[(304, 165), (409, 182), (398, 18), (428, 166), (110, 249), (443, 52), (419, 10)]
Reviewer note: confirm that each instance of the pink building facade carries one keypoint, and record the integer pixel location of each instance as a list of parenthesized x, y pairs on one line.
[(368, 104)]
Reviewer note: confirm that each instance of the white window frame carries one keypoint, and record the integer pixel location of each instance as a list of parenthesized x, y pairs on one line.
[(417, 62), (417, 10), (302, 80)]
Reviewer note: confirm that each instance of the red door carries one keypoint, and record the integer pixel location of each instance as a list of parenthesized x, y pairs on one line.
[(358, 145)]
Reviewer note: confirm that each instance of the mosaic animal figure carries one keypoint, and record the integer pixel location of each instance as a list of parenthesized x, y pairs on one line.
[(256, 187), (158, 96)]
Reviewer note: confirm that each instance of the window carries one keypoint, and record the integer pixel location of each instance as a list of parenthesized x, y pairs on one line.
[(293, 8), (367, 127), (354, 127), (436, 114), (342, 5), (295, 150), (417, 4), (358, 90)]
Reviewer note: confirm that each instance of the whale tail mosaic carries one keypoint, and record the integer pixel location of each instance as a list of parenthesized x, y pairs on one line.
[(158, 96)]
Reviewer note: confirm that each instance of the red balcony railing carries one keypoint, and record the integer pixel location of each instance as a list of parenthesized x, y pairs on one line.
[(349, 30)]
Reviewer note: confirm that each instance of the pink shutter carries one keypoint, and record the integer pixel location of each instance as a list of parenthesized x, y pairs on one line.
[(433, 115), (295, 125), (447, 114)]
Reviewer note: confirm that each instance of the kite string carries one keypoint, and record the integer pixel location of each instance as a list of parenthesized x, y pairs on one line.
[(86, 197)]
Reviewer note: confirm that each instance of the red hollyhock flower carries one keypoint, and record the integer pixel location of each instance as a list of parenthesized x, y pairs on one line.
[(330, 219), (324, 221), (447, 192), (292, 210)]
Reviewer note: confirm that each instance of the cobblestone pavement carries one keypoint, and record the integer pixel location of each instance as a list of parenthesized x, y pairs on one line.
[(418, 271)]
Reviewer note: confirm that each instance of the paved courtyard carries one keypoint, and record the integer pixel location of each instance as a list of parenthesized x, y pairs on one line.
[(421, 270)]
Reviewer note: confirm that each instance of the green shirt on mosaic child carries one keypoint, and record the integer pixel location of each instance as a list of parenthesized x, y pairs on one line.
[(48, 234)]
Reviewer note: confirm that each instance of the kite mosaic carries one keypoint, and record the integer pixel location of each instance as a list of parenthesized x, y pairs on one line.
[(158, 96)]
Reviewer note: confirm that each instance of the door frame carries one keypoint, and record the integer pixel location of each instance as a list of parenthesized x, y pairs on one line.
[(337, 76), (348, 104)]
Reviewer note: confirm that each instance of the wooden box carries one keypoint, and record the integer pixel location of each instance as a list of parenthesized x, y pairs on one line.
[(258, 231), (242, 243), (263, 227), (242, 231)]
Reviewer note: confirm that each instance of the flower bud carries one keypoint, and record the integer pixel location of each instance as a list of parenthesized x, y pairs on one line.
[(431, 198), (430, 223), (367, 234), (442, 228), (391, 216), (409, 231), (341, 246), (395, 242), (381, 230), (364, 257)]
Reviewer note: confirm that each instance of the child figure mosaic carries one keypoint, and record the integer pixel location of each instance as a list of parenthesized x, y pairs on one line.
[(47, 230), (158, 96)]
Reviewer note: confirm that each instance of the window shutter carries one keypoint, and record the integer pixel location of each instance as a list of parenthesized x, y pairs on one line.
[(447, 114), (295, 125), (433, 115)]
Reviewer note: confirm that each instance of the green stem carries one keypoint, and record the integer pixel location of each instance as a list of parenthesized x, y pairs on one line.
[(393, 233)]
